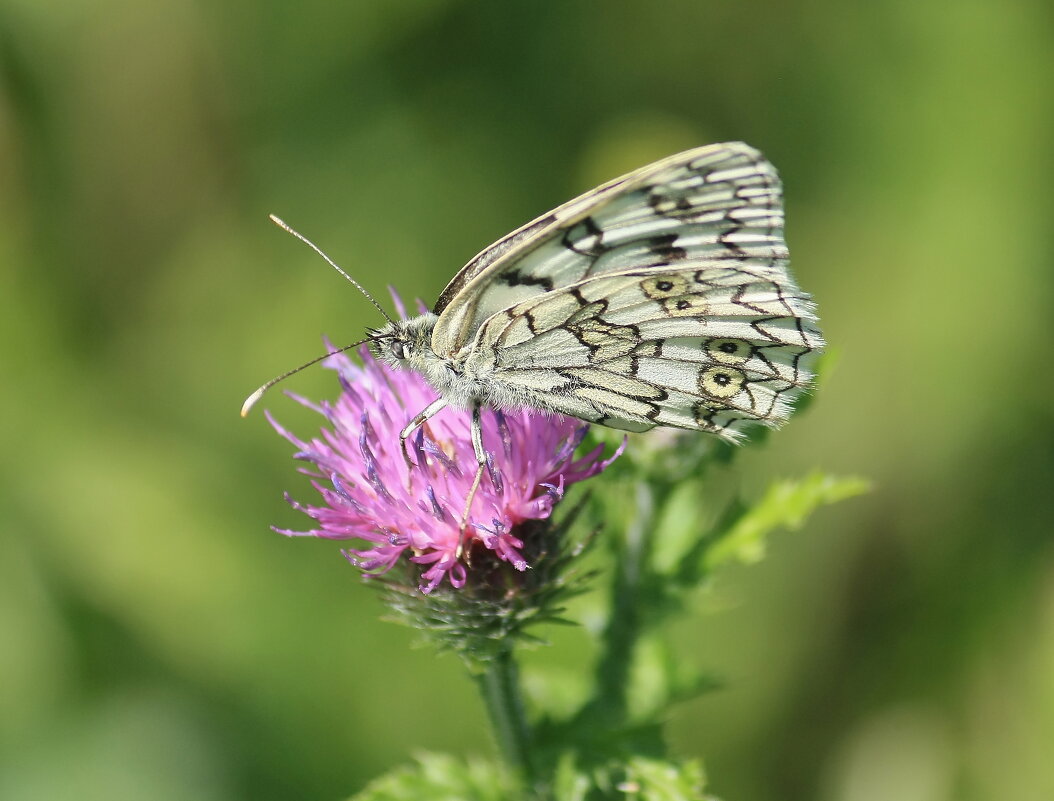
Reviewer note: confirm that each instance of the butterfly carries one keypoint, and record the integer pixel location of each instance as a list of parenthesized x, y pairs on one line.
[(661, 298)]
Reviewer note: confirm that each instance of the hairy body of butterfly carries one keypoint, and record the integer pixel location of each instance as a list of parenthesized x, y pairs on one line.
[(660, 298)]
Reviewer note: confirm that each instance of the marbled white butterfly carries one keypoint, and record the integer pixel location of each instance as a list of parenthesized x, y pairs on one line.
[(662, 298)]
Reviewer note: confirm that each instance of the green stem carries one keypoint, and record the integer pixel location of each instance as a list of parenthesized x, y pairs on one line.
[(624, 626), (499, 684)]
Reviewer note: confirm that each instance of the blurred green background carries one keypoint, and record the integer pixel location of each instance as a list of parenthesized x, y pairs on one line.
[(157, 641)]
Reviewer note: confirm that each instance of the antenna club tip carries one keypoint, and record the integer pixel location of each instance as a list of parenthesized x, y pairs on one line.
[(251, 401), (280, 223)]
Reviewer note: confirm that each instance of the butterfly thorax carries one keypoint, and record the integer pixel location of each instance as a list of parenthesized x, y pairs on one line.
[(407, 345)]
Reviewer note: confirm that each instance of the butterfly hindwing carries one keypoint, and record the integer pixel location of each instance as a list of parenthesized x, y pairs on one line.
[(715, 347)]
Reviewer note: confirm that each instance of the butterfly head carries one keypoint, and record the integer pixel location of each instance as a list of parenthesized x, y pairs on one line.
[(405, 343)]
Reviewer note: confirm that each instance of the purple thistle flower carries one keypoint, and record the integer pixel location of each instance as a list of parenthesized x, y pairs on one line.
[(369, 494)]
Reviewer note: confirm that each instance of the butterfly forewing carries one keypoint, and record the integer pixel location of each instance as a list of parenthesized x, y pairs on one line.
[(661, 298), (719, 201)]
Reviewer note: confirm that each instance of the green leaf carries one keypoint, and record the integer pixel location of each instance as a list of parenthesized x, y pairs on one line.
[(632, 778), (785, 504), (441, 777), (660, 677), (678, 527), (569, 783), (658, 780)]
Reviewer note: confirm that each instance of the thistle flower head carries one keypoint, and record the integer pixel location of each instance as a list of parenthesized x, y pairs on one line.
[(369, 493)]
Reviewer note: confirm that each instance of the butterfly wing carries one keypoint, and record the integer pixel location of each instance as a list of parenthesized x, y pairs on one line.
[(714, 345), (715, 202)]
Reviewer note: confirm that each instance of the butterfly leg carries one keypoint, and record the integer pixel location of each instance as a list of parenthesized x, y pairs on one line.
[(419, 419), (481, 464)]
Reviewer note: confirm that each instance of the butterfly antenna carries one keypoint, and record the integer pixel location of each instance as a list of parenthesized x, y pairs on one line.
[(285, 227), (252, 399)]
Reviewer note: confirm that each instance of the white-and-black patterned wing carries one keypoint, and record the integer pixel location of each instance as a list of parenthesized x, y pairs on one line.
[(709, 204), (712, 345)]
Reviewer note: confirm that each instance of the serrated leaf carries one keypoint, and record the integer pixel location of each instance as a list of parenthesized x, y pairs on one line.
[(785, 504), (440, 777)]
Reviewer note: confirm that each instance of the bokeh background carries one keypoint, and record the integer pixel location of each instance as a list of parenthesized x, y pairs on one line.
[(158, 641)]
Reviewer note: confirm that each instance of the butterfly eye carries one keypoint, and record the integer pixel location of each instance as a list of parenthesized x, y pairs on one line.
[(400, 350)]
